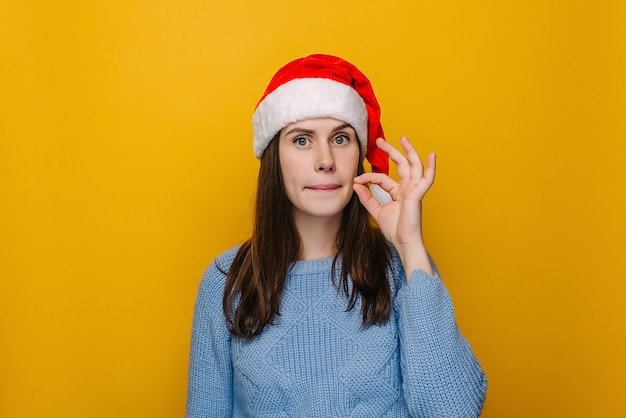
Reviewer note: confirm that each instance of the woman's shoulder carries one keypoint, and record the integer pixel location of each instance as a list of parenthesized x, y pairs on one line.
[(223, 261), (214, 276)]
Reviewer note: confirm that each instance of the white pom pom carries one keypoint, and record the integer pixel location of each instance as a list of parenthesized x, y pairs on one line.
[(381, 195)]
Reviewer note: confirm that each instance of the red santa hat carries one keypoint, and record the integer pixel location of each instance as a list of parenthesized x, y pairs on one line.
[(321, 86)]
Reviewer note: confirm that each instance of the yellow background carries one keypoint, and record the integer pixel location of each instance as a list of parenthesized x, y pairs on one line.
[(126, 166)]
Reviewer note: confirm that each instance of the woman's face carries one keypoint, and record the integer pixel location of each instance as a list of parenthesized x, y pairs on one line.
[(319, 159)]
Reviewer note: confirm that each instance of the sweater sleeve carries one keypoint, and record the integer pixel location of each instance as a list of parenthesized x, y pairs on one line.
[(441, 376), (209, 390)]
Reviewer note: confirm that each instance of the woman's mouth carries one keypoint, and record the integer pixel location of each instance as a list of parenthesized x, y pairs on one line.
[(324, 187)]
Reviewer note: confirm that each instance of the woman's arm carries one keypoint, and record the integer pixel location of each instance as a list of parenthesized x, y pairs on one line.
[(441, 376), (209, 391)]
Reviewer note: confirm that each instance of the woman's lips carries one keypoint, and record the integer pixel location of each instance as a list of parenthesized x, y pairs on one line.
[(324, 187)]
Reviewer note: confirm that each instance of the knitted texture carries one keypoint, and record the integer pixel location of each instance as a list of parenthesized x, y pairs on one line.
[(316, 360)]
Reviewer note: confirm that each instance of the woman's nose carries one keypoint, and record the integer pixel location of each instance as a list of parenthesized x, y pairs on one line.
[(325, 160)]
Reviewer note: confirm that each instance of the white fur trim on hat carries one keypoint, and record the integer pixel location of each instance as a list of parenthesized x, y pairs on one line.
[(306, 98)]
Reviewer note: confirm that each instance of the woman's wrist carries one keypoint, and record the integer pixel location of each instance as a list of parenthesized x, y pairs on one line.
[(415, 257)]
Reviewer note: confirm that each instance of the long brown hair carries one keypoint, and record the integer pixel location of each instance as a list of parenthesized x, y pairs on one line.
[(256, 278)]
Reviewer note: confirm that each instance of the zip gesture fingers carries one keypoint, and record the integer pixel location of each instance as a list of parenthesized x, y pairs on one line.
[(400, 219)]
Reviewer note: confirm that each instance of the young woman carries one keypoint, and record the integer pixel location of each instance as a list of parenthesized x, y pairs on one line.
[(333, 307)]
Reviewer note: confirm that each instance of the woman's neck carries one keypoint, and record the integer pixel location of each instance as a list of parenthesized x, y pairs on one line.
[(318, 237)]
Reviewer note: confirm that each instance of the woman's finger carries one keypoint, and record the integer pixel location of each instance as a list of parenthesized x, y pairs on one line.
[(416, 169), (431, 168), (384, 181), (367, 199), (399, 159), (428, 179)]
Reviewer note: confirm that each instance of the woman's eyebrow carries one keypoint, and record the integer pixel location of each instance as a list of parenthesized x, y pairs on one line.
[(343, 126), (300, 131), (311, 131)]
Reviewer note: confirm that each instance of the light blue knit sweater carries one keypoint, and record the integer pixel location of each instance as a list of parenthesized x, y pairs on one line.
[(316, 360)]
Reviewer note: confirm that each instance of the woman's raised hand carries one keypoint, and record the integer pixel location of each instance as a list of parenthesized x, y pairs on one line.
[(401, 219)]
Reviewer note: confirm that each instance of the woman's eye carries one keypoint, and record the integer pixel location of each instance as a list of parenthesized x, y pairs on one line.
[(301, 141), (341, 139)]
